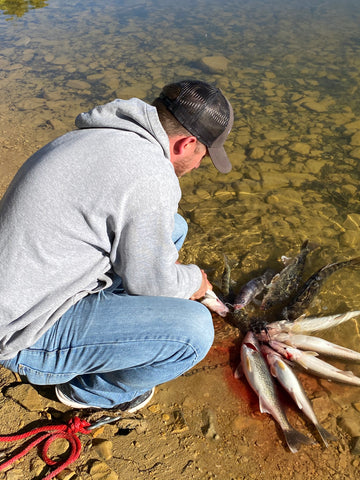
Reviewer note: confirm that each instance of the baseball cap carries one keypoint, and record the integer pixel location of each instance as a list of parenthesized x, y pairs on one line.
[(204, 111)]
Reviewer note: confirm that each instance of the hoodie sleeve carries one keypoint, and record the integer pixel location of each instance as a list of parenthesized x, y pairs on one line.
[(144, 254)]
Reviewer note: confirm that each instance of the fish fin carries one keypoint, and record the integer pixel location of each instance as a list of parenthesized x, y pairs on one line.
[(262, 406), (239, 371), (348, 373), (305, 244), (297, 399), (273, 280), (325, 435), (294, 439), (273, 371), (312, 354), (302, 363)]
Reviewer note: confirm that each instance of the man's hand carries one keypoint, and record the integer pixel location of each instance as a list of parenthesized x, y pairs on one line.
[(205, 285)]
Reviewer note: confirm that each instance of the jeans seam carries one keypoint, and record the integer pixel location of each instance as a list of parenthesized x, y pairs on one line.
[(104, 344)]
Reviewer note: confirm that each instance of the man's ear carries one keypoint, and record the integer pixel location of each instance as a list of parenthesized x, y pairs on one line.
[(184, 145)]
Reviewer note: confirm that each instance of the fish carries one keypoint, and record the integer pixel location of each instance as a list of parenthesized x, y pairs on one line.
[(286, 283), (310, 362), (290, 382), (312, 286), (310, 324), (316, 344), (258, 375), (213, 303), (252, 289)]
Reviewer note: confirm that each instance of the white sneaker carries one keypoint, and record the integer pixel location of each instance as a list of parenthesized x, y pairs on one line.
[(130, 407)]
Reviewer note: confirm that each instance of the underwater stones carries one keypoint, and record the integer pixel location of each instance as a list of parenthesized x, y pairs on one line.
[(315, 106), (350, 238), (351, 235), (216, 63), (276, 135), (314, 165), (243, 136), (300, 147), (355, 139), (257, 153), (355, 153), (350, 422), (352, 221), (353, 126), (79, 85), (273, 180)]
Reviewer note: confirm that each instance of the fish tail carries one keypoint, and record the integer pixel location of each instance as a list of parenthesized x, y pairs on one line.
[(309, 246), (295, 439), (325, 435)]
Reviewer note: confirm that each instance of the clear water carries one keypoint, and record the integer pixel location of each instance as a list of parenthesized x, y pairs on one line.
[(291, 69)]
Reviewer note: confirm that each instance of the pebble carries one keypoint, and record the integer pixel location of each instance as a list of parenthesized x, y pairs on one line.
[(300, 147), (257, 153), (215, 63), (154, 408), (355, 139), (102, 471), (103, 448), (276, 135), (355, 153), (79, 85), (355, 448), (350, 423), (352, 221), (15, 474), (66, 474)]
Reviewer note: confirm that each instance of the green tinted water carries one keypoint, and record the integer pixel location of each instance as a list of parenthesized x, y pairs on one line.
[(292, 72)]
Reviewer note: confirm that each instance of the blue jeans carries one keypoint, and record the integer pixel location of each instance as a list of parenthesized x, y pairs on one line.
[(111, 347)]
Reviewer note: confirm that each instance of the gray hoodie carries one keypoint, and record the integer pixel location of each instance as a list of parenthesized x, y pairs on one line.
[(97, 200)]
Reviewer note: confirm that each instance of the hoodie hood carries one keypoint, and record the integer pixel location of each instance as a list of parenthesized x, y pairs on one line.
[(132, 115)]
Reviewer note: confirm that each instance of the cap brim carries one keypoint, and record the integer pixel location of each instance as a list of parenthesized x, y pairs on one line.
[(220, 159)]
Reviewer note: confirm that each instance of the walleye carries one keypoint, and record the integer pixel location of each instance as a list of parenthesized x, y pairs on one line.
[(289, 381), (312, 286), (310, 362), (311, 324), (213, 303), (260, 380), (251, 289), (316, 344), (286, 283)]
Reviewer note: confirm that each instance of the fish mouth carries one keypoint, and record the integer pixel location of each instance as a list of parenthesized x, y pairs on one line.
[(251, 345)]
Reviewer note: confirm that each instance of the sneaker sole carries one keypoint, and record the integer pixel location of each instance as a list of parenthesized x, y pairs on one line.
[(142, 404)]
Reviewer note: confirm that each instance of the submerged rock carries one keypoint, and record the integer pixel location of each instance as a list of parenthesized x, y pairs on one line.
[(216, 63)]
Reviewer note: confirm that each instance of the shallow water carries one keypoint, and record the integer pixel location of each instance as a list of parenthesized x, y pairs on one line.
[(292, 72)]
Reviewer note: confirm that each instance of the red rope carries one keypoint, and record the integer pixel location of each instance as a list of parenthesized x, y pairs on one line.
[(52, 433)]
